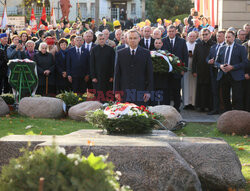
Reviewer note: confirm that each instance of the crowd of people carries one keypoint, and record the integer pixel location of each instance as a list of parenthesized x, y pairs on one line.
[(117, 64)]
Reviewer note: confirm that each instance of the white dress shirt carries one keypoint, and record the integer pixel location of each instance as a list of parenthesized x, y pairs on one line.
[(149, 41), (132, 49)]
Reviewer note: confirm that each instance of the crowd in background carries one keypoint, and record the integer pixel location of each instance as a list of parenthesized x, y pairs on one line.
[(82, 56)]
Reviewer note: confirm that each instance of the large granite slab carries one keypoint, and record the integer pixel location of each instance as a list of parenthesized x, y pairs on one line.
[(159, 161)]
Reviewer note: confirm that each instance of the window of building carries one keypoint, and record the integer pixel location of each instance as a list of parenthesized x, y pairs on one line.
[(92, 10), (83, 8), (133, 8)]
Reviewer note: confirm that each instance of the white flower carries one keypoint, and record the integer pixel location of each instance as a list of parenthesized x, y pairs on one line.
[(74, 156), (17, 166), (104, 158), (31, 157), (76, 162), (170, 58), (118, 173), (60, 150)]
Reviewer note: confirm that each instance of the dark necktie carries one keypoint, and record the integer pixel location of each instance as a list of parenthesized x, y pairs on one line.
[(227, 55), (88, 47), (147, 44), (78, 53), (172, 44), (133, 52)]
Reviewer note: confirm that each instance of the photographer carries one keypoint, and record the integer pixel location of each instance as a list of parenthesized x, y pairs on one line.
[(16, 50)]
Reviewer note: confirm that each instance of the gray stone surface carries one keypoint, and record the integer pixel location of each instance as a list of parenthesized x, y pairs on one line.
[(171, 115), (4, 109), (195, 116), (154, 162), (235, 121), (78, 112), (41, 107), (215, 162)]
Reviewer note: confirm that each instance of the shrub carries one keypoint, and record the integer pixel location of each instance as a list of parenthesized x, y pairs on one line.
[(71, 98), (8, 98), (61, 172), (124, 118), (180, 17)]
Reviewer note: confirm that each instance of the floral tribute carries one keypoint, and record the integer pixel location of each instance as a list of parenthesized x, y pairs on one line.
[(164, 62), (124, 118)]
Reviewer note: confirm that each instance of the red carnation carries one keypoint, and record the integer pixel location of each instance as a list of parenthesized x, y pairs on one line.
[(182, 64), (179, 64), (170, 55)]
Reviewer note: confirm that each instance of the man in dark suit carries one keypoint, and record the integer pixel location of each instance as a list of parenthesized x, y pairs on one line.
[(178, 47), (133, 72), (88, 40), (147, 41), (214, 71), (232, 60), (123, 45), (77, 60)]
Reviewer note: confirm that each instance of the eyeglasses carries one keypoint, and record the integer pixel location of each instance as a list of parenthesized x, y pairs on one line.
[(205, 34)]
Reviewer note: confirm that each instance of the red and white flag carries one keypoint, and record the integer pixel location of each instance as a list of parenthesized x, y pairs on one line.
[(52, 17), (33, 23), (4, 18), (43, 17)]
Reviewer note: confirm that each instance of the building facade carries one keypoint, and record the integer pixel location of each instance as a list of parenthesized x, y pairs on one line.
[(111, 9), (225, 13)]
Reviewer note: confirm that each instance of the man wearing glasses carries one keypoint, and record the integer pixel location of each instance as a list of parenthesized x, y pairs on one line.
[(200, 70)]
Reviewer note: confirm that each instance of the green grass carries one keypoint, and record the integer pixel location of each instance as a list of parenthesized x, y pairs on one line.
[(15, 124), (240, 144)]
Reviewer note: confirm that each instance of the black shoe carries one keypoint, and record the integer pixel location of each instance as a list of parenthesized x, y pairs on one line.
[(213, 112)]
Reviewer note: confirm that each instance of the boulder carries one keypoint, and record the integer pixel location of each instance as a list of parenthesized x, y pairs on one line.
[(41, 107), (214, 161), (4, 109), (171, 115), (78, 112), (235, 121)]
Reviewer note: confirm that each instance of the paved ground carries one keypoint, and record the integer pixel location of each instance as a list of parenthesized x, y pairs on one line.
[(195, 116)]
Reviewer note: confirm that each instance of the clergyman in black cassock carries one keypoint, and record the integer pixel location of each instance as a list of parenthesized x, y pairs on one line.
[(102, 59)]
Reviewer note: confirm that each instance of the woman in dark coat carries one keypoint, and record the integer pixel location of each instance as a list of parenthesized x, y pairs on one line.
[(62, 83), (45, 69)]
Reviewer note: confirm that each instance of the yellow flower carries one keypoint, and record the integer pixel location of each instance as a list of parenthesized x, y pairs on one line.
[(80, 99), (75, 94)]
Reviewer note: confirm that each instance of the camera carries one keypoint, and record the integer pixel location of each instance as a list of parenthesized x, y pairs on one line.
[(20, 42)]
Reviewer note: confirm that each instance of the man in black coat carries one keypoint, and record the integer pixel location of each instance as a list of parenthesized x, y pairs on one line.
[(178, 47), (200, 69), (133, 72), (102, 59), (3, 64), (147, 41)]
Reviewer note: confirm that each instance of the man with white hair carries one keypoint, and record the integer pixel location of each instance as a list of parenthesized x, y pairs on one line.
[(189, 82), (118, 34), (107, 40), (77, 61), (147, 41), (157, 33)]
